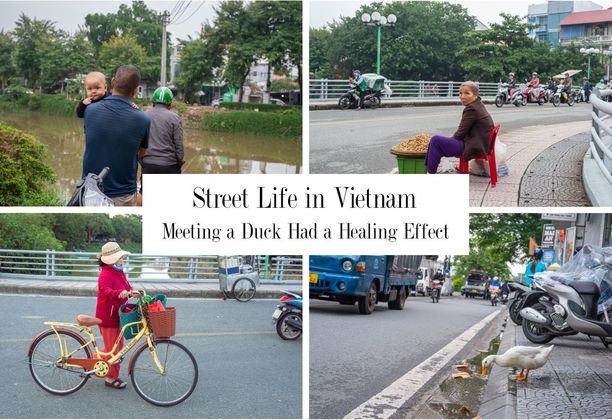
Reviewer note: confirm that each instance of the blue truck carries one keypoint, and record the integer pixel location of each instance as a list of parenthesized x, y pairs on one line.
[(365, 279)]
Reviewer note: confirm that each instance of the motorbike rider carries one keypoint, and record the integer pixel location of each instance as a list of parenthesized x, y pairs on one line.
[(511, 82), (533, 84), (552, 84), (586, 86), (534, 266), (567, 84), (360, 86)]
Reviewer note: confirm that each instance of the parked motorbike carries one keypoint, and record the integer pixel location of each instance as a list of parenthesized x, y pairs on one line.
[(523, 96), (558, 309), (350, 100), (561, 97), (518, 292), (504, 94), (288, 316)]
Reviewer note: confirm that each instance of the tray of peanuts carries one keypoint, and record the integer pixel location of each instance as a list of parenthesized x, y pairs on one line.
[(415, 147)]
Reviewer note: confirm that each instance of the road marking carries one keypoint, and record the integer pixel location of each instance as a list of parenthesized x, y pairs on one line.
[(194, 334), (394, 118), (384, 404)]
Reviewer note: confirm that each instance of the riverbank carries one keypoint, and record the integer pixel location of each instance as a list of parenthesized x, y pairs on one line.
[(258, 119)]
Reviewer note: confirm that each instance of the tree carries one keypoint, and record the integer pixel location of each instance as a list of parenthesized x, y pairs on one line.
[(320, 66), (27, 231), (121, 50), (128, 228), (421, 45), (199, 58), (36, 52), (7, 47), (98, 225)]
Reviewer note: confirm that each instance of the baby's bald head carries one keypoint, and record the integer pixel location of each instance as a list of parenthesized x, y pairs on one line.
[(95, 84)]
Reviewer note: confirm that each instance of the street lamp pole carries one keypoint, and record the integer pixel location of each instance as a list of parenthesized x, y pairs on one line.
[(588, 52), (379, 21)]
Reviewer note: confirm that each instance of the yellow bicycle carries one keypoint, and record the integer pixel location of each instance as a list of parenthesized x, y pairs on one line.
[(61, 360)]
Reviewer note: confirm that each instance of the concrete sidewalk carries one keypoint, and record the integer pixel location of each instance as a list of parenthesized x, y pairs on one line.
[(89, 288), (575, 383), (543, 168)]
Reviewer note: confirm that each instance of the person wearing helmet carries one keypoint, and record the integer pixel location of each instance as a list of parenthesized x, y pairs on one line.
[(567, 84), (534, 84), (586, 86), (534, 266), (166, 152), (360, 86), (511, 82)]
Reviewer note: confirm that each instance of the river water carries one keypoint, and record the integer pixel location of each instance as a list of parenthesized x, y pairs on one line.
[(205, 152)]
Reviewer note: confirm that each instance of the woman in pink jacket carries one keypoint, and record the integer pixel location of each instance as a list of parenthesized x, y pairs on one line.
[(113, 291)]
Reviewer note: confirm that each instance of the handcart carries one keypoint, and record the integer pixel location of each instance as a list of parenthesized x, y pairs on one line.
[(238, 277)]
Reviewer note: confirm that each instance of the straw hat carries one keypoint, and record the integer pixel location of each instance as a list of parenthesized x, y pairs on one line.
[(111, 253)]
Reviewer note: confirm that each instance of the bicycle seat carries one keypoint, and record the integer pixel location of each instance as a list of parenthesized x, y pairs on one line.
[(88, 321)]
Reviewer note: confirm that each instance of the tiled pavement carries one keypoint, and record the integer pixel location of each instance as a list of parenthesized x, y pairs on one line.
[(524, 146), (576, 382)]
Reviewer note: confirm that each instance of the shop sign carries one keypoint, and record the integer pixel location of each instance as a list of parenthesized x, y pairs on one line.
[(548, 236)]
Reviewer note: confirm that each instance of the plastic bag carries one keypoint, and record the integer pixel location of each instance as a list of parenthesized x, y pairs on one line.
[(481, 167), (592, 264)]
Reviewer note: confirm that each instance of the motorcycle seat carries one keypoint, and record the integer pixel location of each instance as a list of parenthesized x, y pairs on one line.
[(585, 287)]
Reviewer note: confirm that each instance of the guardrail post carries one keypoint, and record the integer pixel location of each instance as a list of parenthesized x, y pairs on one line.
[(324, 89), (450, 89), (47, 266), (421, 89), (190, 269)]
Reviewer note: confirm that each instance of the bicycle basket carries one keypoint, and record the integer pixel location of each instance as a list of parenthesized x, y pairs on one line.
[(163, 323), (126, 317)]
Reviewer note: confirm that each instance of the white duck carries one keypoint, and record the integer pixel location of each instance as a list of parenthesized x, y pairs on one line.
[(523, 357)]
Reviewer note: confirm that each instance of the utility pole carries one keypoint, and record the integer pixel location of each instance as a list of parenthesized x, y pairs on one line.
[(165, 21)]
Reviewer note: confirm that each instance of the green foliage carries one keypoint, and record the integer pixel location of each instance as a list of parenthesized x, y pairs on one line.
[(121, 50), (283, 124), (128, 228), (457, 284), (496, 240), (244, 106), (280, 85), (420, 46), (198, 59), (25, 178), (27, 231), (48, 104), (7, 48)]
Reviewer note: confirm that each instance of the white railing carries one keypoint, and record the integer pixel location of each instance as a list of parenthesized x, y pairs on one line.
[(83, 266), (601, 133), (322, 90)]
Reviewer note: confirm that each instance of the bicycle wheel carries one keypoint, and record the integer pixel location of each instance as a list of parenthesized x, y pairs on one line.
[(47, 367), (243, 289), (178, 381)]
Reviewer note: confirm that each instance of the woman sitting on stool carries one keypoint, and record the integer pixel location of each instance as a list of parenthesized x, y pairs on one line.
[(471, 138)]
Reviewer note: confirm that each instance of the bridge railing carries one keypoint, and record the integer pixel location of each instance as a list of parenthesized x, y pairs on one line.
[(83, 266), (601, 133), (322, 90)]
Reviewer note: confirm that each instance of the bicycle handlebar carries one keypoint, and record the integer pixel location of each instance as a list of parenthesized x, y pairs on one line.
[(103, 173)]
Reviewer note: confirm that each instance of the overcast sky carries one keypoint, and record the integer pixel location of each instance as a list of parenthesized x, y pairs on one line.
[(486, 11), (70, 14)]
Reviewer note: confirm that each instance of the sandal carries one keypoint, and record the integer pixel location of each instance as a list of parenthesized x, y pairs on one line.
[(117, 384)]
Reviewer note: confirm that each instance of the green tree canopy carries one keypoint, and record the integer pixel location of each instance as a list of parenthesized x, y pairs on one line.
[(121, 50), (27, 231), (415, 48)]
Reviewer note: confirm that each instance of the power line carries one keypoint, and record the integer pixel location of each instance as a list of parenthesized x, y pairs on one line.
[(189, 17), (180, 12)]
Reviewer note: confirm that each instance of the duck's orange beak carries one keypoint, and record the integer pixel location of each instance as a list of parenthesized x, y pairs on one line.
[(484, 370)]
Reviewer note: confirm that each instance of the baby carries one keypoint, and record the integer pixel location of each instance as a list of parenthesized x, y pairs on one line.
[(95, 84)]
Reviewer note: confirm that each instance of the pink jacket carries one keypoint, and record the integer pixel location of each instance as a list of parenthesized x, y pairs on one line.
[(111, 282)]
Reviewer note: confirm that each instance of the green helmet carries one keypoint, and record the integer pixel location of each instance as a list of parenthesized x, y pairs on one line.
[(162, 95)]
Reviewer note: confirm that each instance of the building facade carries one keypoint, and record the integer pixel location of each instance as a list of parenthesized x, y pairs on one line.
[(548, 17), (587, 28)]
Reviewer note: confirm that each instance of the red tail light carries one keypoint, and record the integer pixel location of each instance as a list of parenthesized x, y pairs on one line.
[(286, 298), (360, 267)]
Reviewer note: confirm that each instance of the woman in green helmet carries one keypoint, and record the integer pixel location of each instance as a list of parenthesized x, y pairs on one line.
[(165, 152)]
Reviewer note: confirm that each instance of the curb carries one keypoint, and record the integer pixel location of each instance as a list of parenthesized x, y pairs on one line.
[(499, 398), (92, 292), (596, 186), (398, 104)]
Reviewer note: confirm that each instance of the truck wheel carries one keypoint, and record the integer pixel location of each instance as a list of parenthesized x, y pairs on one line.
[(398, 303), (368, 302)]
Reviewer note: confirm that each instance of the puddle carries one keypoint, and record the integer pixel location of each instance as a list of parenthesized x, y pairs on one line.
[(463, 396)]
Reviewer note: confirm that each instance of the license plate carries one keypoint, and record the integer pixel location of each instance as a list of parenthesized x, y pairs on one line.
[(276, 314), (314, 278), (474, 290)]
